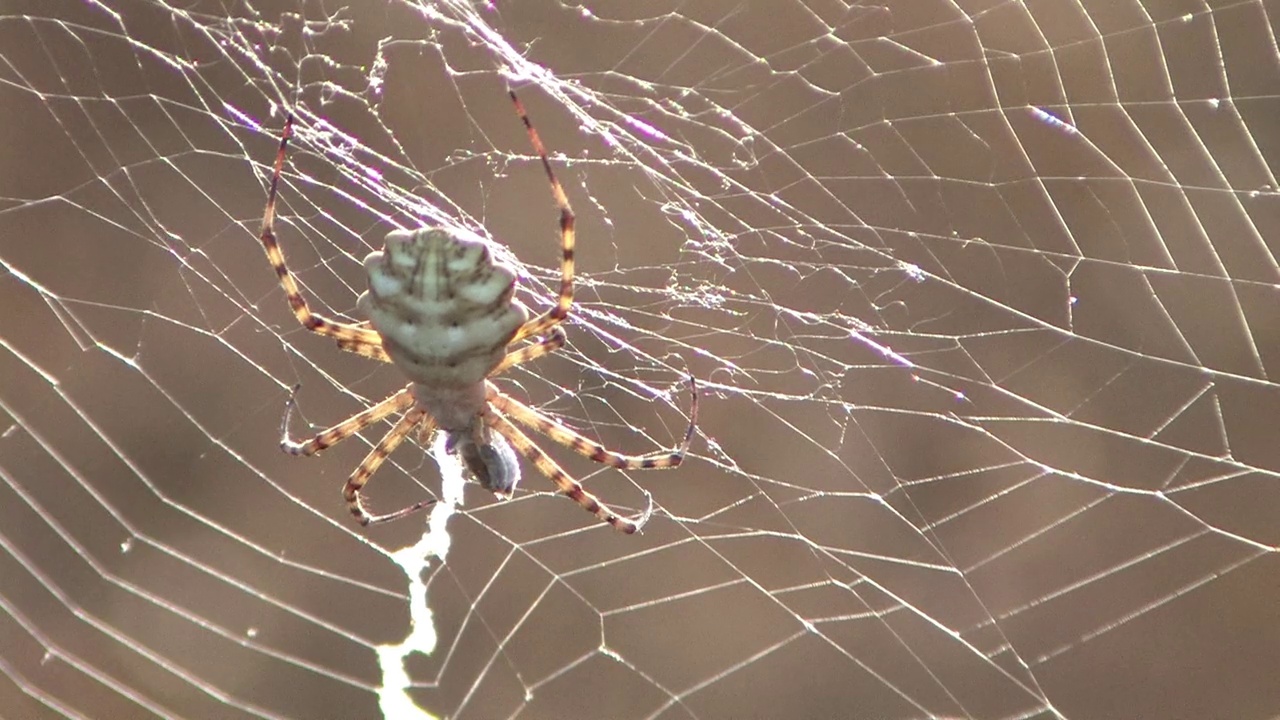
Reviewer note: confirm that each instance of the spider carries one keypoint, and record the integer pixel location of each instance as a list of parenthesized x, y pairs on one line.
[(440, 308)]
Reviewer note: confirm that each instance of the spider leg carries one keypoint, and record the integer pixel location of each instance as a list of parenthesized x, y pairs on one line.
[(343, 430), (562, 479), (531, 418), (552, 342), (314, 322), (370, 465), (365, 349), (557, 314)]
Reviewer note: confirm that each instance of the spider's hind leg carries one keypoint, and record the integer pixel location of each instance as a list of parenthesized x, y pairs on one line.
[(343, 430), (662, 459), (373, 461), (564, 481)]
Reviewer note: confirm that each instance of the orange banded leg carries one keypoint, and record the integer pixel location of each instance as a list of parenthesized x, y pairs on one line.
[(343, 430), (556, 315), (365, 349), (314, 322), (370, 465), (553, 342), (531, 418), (565, 482)]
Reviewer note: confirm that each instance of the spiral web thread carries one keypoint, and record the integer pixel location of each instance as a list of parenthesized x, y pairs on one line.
[(982, 299)]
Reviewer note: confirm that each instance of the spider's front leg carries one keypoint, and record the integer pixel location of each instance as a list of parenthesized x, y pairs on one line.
[(556, 315), (315, 322)]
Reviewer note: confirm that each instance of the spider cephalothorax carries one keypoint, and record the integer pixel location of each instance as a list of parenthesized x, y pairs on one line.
[(441, 309)]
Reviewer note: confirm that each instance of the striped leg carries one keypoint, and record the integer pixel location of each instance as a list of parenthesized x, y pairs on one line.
[(556, 315), (343, 430), (565, 482), (531, 418), (314, 322), (553, 342), (365, 349), (370, 465)]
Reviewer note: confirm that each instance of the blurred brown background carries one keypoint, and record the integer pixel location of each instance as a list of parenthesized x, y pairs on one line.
[(988, 419)]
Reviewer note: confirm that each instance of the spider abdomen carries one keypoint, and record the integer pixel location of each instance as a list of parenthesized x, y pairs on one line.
[(442, 305)]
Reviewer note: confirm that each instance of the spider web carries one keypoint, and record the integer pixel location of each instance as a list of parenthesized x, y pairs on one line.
[(981, 297)]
